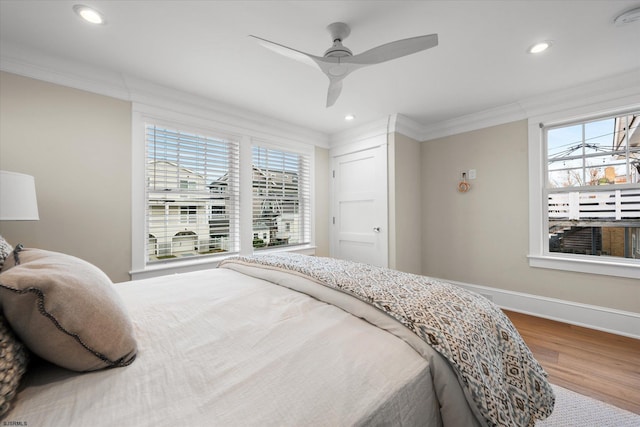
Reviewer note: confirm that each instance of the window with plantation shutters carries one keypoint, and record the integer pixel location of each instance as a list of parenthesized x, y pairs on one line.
[(281, 198), (192, 194)]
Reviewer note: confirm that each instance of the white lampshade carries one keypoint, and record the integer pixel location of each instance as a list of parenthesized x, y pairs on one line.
[(17, 197)]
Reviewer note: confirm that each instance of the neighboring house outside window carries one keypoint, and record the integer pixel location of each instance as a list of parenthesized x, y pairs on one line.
[(590, 195), (183, 213), (281, 195)]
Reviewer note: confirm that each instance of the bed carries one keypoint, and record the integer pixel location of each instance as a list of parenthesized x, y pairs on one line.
[(282, 340)]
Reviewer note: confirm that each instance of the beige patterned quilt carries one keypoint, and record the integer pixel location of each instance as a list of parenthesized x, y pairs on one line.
[(495, 368)]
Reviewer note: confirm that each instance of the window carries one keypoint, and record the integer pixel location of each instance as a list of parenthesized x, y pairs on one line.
[(187, 185), (594, 153), (281, 195), (189, 173), (590, 195), (189, 214), (191, 194)]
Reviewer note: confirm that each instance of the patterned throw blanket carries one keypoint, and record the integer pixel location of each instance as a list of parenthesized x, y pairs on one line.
[(493, 364)]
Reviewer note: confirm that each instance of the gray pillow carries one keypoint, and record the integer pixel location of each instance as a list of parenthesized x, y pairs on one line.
[(13, 364), (5, 250), (66, 311)]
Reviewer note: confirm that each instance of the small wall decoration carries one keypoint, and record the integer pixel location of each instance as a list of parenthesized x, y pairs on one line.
[(464, 186)]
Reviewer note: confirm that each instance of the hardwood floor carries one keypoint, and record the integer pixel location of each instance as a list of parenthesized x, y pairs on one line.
[(597, 364)]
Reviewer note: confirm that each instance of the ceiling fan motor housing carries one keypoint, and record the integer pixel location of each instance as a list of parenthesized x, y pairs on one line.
[(339, 31), (337, 50)]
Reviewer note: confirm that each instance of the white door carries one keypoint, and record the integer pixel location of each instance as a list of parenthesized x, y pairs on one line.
[(359, 230)]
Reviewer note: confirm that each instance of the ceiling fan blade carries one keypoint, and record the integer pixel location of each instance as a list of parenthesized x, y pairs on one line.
[(303, 57), (335, 88), (393, 50)]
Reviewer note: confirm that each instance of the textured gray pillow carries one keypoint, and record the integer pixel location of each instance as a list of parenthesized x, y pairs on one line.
[(13, 364), (5, 250), (66, 311)]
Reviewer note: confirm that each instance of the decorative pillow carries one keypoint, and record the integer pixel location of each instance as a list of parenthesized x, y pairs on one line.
[(5, 250), (13, 364), (66, 311)]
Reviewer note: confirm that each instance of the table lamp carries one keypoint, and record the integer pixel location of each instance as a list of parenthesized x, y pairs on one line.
[(17, 197)]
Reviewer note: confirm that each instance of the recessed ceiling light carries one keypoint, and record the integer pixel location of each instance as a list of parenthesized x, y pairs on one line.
[(628, 17), (89, 14), (349, 117), (539, 47)]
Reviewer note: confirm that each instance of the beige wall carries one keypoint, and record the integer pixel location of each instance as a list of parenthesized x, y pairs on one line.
[(77, 145), (481, 237), (405, 219)]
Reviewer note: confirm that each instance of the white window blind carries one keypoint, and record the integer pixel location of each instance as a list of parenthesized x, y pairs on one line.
[(192, 194), (281, 198)]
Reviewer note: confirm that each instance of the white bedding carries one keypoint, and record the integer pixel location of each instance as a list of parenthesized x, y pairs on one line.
[(219, 348)]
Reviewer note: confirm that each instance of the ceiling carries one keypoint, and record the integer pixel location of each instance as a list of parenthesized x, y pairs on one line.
[(202, 47)]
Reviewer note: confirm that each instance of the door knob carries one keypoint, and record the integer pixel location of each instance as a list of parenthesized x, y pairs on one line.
[(376, 229)]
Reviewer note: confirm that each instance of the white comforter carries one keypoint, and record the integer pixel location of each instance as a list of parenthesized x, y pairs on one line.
[(219, 348)]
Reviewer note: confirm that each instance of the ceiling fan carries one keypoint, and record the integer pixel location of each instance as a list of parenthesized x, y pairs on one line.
[(338, 61)]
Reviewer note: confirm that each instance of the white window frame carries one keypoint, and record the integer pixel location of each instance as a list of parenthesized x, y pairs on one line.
[(539, 254), (198, 120)]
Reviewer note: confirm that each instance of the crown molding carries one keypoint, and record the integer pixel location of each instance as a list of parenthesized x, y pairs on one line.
[(362, 132), (44, 67), (482, 119), (143, 92), (41, 66), (407, 127), (612, 88), (625, 86), (622, 88)]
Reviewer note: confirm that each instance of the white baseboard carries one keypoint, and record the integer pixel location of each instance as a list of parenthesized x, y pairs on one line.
[(605, 319)]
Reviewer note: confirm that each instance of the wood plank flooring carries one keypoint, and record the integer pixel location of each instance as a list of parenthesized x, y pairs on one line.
[(597, 364)]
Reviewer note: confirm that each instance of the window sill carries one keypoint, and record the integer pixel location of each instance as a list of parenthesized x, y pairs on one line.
[(187, 265), (607, 266), (300, 249)]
